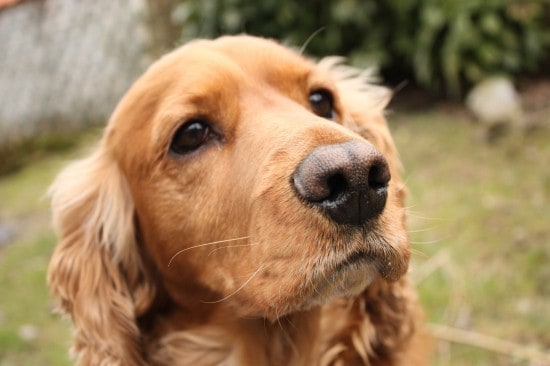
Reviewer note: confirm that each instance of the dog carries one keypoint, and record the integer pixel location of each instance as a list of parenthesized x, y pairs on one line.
[(243, 207)]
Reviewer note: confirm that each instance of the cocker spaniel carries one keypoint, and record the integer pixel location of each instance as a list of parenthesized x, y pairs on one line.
[(244, 207)]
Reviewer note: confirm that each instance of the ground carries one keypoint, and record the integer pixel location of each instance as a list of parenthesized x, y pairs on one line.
[(478, 216), (479, 222)]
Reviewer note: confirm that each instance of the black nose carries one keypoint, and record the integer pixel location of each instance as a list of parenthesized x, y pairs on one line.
[(348, 181)]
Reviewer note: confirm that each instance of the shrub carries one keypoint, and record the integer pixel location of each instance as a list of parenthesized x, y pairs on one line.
[(443, 45), (461, 42)]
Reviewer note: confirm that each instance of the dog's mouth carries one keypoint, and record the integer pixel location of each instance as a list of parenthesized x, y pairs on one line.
[(348, 277), (356, 258), (354, 272), (389, 262)]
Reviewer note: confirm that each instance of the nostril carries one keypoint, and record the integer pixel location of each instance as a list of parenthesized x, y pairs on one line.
[(379, 176), (337, 185)]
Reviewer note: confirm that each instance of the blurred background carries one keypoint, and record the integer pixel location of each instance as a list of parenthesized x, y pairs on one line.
[(470, 116)]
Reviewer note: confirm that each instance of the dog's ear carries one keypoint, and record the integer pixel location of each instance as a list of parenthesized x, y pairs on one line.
[(96, 270)]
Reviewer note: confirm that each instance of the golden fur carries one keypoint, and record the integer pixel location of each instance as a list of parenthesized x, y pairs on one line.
[(209, 258)]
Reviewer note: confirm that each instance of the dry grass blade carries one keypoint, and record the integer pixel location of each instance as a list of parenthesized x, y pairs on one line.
[(489, 343), (440, 260)]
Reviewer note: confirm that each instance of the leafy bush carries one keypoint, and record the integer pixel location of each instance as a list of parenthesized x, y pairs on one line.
[(444, 45), (461, 42), (339, 23)]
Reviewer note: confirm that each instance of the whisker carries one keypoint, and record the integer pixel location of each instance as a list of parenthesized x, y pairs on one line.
[(324, 275), (422, 230), (279, 320), (419, 253), (419, 215), (204, 245), (427, 242), (400, 86), (310, 38), (237, 290), (315, 290), (230, 246)]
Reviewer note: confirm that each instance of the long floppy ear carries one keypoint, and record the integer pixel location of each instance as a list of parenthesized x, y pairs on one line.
[(383, 322), (96, 270)]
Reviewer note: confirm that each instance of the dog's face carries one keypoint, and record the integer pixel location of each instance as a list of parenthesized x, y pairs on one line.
[(253, 180)]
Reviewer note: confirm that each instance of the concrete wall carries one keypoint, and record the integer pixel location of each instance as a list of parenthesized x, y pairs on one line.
[(64, 64)]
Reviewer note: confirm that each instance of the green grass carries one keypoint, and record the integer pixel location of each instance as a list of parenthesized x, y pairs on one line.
[(480, 228), (24, 298), (24, 302)]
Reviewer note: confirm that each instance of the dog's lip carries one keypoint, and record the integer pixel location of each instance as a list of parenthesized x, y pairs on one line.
[(391, 267), (355, 258)]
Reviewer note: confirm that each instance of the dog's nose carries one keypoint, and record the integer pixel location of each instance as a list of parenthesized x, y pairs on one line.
[(348, 181)]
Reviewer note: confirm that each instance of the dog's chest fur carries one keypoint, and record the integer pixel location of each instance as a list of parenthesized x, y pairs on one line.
[(316, 337)]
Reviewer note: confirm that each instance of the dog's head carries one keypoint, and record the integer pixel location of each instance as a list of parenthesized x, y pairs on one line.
[(240, 173)]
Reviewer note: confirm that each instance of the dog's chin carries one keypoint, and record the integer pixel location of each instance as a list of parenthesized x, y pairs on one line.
[(347, 280)]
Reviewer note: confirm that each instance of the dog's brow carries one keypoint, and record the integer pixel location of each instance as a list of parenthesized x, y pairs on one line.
[(203, 92)]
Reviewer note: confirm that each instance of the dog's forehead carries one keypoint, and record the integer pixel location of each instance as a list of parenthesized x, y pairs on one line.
[(246, 57), (259, 53), (212, 64), (206, 73)]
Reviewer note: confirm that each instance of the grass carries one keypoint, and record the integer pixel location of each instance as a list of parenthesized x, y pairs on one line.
[(479, 221), (26, 309), (29, 333), (478, 217)]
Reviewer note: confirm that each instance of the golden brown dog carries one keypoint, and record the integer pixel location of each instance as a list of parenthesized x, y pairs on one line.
[(244, 207)]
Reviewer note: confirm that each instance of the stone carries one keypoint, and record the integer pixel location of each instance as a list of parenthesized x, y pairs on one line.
[(496, 105)]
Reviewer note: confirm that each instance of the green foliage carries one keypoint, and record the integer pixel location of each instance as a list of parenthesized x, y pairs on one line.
[(444, 45), (461, 42), (294, 22)]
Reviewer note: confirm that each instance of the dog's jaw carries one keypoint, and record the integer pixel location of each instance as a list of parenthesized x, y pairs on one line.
[(347, 280)]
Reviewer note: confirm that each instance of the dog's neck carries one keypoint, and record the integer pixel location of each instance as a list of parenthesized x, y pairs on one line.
[(220, 338), (182, 330)]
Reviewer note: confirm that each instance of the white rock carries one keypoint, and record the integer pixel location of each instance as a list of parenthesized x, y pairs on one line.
[(495, 101), (28, 332)]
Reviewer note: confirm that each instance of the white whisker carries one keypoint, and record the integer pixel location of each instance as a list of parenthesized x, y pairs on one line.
[(310, 38), (204, 245), (419, 215), (422, 230), (426, 242), (419, 253), (230, 246), (237, 290)]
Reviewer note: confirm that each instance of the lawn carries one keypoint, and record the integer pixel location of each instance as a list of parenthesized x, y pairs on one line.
[(29, 333), (480, 228), (479, 222)]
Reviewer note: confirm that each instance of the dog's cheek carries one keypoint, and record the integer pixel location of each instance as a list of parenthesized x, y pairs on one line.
[(393, 226), (281, 261), (276, 291)]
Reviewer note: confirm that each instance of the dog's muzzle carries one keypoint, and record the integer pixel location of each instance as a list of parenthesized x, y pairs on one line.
[(347, 181)]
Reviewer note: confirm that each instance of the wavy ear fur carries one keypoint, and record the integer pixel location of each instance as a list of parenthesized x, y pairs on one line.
[(96, 270), (382, 324)]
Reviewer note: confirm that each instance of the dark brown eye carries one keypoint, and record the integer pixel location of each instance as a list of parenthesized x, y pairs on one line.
[(321, 102), (190, 137)]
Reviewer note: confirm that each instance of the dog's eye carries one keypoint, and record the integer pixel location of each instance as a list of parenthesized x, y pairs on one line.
[(190, 136), (322, 103)]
